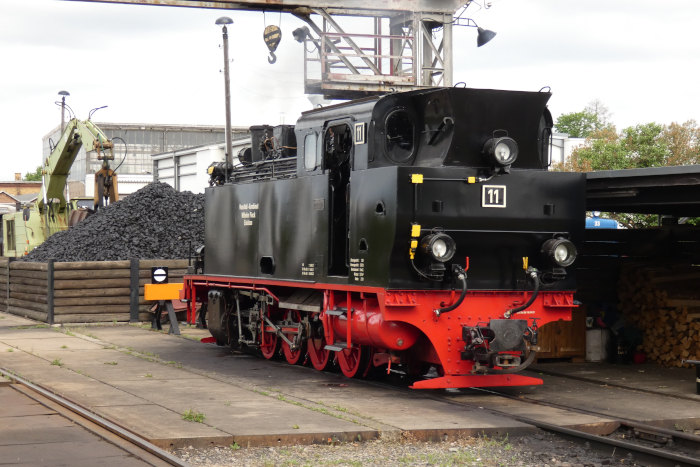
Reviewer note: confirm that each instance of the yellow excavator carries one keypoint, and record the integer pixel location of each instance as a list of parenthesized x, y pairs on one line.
[(30, 226)]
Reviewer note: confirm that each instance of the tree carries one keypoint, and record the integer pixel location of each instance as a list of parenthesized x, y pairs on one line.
[(601, 111), (33, 176), (576, 124), (644, 145), (595, 117), (683, 142)]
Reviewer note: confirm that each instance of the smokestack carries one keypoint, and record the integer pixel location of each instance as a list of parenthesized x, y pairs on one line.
[(18, 176)]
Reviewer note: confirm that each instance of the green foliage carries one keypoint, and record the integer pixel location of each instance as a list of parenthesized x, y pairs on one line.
[(577, 124), (193, 416), (639, 146), (644, 145), (33, 176), (683, 141)]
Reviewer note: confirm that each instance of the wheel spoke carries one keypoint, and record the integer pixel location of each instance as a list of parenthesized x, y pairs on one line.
[(296, 356), (318, 355), (268, 342), (354, 362)]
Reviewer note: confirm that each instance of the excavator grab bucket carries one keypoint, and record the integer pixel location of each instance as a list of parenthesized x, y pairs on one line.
[(106, 190)]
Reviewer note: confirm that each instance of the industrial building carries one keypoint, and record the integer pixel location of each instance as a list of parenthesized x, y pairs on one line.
[(142, 140)]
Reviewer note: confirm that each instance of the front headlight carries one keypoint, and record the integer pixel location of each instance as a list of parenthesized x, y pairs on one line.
[(560, 251), (440, 246), (502, 151)]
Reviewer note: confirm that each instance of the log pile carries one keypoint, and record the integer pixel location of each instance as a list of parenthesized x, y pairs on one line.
[(664, 303), (80, 292)]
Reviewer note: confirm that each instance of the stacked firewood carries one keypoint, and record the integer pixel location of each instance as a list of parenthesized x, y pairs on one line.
[(663, 303)]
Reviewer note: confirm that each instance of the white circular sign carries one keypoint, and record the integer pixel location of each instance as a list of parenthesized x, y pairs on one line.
[(159, 275)]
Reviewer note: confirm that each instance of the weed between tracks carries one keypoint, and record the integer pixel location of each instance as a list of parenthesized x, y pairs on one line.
[(330, 411), (192, 416)]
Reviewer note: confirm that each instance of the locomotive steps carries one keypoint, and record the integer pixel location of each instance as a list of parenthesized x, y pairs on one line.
[(150, 382)]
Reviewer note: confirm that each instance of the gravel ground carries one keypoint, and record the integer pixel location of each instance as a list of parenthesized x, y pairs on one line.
[(541, 449)]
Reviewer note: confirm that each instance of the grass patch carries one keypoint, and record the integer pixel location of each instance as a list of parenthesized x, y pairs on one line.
[(192, 416), (235, 446), (325, 411), (57, 362)]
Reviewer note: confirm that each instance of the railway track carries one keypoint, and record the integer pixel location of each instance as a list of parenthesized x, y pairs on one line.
[(584, 379), (136, 448), (632, 440)]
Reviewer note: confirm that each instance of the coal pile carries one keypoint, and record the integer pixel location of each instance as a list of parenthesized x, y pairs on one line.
[(156, 222)]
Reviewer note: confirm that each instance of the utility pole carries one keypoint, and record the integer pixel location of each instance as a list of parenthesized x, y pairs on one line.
[(223, 21), (63, 95)]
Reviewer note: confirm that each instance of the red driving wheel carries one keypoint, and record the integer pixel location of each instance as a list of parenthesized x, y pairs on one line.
[(354, 362), (319, 356), (296, 356), (268, 342)]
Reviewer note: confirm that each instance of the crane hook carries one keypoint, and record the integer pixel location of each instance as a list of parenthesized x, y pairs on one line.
[(272, 36)]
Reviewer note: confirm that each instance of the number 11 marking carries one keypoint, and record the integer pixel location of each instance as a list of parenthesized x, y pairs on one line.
[(493, 196)]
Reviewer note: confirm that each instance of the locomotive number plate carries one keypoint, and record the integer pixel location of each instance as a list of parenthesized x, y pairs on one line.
[(493, 196)]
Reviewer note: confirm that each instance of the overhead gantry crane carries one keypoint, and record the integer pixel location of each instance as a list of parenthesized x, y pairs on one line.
[(404, 44)]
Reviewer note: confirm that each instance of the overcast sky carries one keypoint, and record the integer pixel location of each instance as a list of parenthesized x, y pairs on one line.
[(640, 58)]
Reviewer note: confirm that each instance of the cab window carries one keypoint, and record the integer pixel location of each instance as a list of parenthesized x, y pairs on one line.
[(399, 144), (311, 156)]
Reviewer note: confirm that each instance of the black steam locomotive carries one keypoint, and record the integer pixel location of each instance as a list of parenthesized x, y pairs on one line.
[(414, 230)]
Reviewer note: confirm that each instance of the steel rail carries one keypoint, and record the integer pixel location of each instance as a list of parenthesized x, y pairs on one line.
[(612, 384), (656, 457), (623, 421), (659, 457), (98, 420)]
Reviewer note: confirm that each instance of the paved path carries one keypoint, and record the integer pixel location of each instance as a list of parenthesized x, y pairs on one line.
[(146, 381), (34, 434)]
